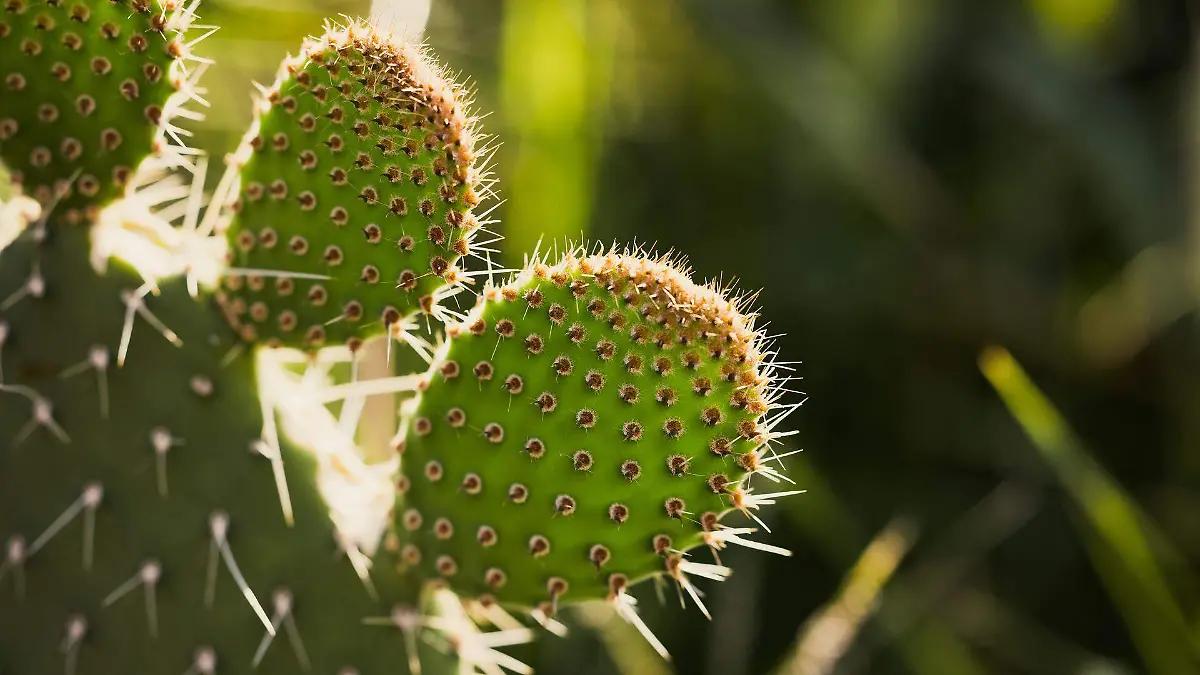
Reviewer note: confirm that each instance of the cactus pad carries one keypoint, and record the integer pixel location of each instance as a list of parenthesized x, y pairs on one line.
[(140, 531), (361, 169), (589, 423), (87, 88)]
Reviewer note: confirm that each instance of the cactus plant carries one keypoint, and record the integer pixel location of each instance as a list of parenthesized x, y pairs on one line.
[(177, 493)]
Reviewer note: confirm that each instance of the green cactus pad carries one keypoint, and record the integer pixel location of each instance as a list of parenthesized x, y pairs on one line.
[(589, 422), (86, 90), (361, 169), (118, 484)]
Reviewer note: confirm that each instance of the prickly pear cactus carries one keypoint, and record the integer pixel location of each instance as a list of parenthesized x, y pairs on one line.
[(361, 172), (589, 424), (178, 494), (88, 90), (153, 517)]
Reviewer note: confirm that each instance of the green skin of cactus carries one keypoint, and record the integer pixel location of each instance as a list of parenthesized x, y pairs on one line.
[(83, 85), (354, 176), (458, 472), (208, 404)]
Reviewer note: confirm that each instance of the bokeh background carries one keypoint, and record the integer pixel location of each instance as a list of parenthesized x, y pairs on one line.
[(975, 224)]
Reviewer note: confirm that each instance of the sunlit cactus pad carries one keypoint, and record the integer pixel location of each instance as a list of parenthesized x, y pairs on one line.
[(86, 91), (362, 170), (589, 422)]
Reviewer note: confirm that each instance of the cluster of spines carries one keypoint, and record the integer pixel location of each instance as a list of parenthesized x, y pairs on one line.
[(358, 182), (607, 387), (89, 90)]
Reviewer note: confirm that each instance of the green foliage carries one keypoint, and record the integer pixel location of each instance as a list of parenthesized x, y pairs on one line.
[(87, 87), (1111, 523)]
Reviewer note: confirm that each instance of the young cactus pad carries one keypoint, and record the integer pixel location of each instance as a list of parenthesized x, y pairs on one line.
[(356, 194), (87, 88), (589, 423)]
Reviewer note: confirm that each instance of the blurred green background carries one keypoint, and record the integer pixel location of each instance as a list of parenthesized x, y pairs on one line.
[(916, 185)]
